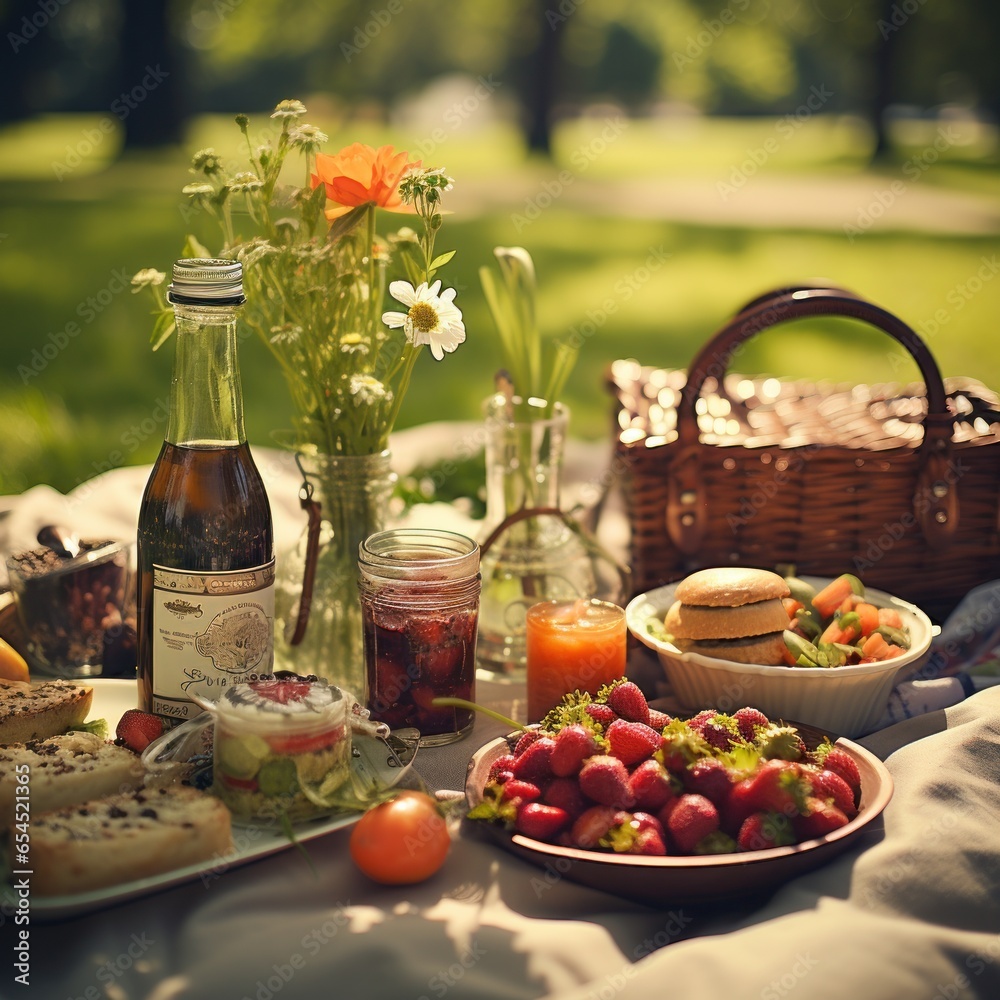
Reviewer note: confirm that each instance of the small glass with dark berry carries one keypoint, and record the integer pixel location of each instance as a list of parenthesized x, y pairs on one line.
[(420, 611)]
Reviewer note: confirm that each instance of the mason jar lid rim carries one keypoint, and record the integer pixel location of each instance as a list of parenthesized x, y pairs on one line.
[(450, 548)]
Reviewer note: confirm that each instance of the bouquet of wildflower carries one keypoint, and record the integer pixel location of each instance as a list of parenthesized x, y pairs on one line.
[(315, 274)]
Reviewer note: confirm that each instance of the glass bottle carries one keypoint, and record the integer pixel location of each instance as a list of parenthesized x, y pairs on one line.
[(205, 616), (536, 556)]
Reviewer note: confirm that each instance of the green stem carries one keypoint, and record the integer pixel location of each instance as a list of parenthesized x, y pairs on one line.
[(369, 250), (411, 359), (462, 703)]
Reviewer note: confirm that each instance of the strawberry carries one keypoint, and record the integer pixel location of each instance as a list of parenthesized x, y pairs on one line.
[(500, 769), (574, 744), (540, 822), (601, 713), (629, 703), (632, 742), (721, 731), (281, 690), (716, 842), (830, 786), (592, 824), (523, 791), (651, 785), (605, 780), (779, 786), (659, 720), (565, 793), (818, 819), (439, 664), (647, 836), (681, 746), (642, 820), (525, 740), (535, 764), (840, 761), (711, 778), (137, 729), (748, 719), (738, 806), (697, 722), (776, 742), (761, 830), (650, 843), (691, 818)]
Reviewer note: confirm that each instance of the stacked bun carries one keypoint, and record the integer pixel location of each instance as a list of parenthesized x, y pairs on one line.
[(730, 613)]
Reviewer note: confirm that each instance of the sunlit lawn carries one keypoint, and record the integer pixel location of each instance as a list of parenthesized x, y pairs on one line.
[(632, 287)]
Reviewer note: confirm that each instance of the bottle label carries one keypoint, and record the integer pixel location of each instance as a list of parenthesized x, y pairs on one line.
[(210, 631)]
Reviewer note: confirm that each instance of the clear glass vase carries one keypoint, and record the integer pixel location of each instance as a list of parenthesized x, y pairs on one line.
[(353, 492), (526, 557)]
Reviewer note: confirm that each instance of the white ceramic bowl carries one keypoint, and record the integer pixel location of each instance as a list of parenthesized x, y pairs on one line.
[(845, 701)]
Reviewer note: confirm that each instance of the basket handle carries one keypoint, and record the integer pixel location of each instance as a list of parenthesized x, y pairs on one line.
[(935, 502)]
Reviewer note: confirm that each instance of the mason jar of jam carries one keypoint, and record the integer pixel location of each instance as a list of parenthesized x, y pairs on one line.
[(420, 611)]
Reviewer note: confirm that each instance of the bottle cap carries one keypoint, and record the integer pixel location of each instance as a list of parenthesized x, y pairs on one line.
[(208, 281)]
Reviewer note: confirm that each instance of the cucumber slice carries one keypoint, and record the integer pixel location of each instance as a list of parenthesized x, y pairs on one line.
[(278, 777), (236, 757)]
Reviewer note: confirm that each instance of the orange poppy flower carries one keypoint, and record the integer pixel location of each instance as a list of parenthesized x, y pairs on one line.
[(360, 174)]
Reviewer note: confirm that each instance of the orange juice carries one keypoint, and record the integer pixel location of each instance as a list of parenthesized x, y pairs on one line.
[(572, 645)]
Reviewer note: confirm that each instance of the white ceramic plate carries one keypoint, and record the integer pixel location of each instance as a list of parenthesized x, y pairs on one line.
[(111, 699)]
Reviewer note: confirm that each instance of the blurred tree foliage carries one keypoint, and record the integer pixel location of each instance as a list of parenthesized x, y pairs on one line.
[(722, 56)]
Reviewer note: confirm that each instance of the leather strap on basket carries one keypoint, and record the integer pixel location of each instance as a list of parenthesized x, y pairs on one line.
[(935, 502)]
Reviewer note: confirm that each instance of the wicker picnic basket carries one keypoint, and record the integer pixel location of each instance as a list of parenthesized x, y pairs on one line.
[(897, 484)]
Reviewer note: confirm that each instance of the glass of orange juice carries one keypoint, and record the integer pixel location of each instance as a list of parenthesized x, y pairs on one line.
[(572, 645)]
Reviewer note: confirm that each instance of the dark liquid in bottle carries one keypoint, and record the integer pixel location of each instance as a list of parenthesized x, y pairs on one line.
[(204, 509)]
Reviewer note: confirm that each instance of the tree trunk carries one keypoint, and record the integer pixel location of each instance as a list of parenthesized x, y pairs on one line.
[(150, 100), (883, 88), (25, 31), (540, 98)]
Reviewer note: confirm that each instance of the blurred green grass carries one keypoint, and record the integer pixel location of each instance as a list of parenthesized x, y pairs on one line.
[(96, 402)]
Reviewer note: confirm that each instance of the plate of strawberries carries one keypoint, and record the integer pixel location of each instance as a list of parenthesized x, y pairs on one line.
[(618, 795)]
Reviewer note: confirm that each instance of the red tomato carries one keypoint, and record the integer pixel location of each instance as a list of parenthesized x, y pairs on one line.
[(401, 841)]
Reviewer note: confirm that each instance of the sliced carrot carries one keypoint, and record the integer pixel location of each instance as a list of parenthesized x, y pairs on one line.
[(834, 633), (832, 596), (869, 616), (890, 617), (849, 603), (792, 606), (874, 647), (893, 650)]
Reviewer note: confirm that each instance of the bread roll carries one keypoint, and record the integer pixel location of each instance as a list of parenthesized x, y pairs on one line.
[(37, 711), (64, 769), (730, 586), (114, 840)]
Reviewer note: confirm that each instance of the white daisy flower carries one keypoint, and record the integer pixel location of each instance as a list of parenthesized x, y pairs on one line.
[(432, 319), (366, 390)]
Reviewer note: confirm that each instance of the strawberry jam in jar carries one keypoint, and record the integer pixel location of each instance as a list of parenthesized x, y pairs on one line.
[(420, 612)]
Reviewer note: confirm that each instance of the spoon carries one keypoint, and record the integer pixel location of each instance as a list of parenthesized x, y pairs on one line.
[(60, 540)]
